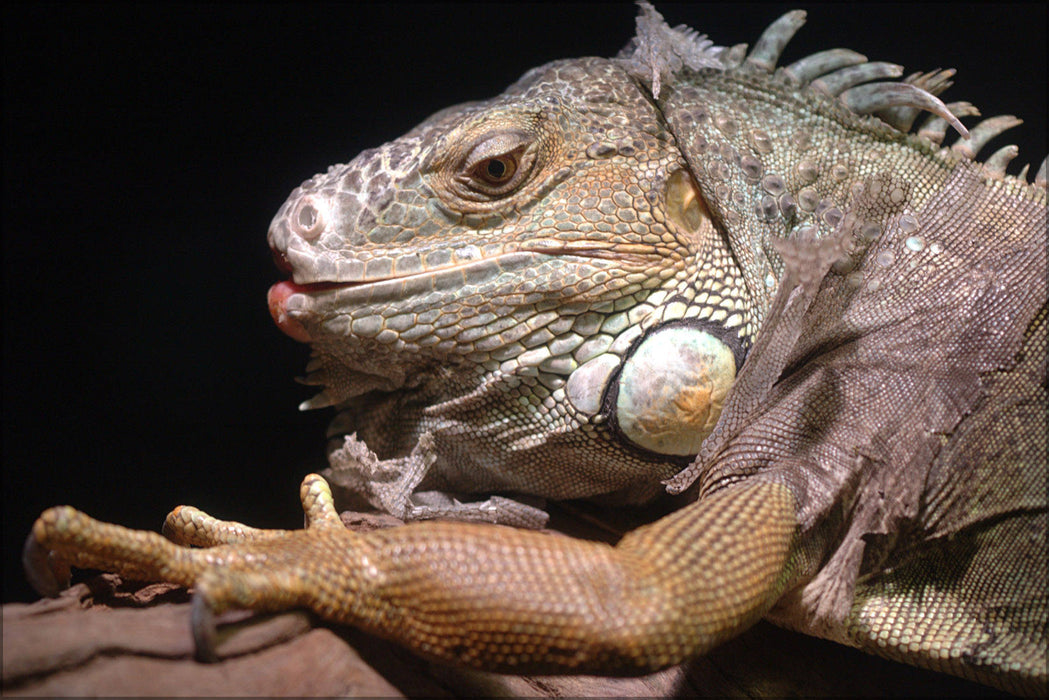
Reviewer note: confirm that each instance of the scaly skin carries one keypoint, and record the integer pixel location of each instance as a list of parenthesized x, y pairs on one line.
[(675, 267), (579, 606)]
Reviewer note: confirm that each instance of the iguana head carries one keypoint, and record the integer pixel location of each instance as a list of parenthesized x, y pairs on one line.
[(491, 273), (559, 284)]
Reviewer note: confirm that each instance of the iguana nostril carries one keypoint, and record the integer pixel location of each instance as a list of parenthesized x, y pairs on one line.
[(306, 219)]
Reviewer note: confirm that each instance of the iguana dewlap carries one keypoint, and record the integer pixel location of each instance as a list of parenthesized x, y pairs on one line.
[(685, 269)]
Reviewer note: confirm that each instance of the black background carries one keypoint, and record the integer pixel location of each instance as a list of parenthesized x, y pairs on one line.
[(145, 150)]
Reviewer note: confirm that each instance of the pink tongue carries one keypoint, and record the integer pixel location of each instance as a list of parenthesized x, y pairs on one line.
[(277, 298)]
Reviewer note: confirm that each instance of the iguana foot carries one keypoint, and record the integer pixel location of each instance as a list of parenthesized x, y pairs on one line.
[(240, 567), (191, 526)]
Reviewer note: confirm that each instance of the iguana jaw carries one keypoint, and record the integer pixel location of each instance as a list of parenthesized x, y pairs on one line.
[(293, 303), (316, 295)]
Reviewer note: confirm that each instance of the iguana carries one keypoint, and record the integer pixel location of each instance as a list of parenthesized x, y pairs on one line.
[(679, 269)]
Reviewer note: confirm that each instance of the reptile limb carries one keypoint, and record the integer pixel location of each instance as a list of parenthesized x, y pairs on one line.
[(473, 595)]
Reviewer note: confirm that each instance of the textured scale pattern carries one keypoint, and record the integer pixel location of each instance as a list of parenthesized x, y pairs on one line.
[(394, 582), (853, 397)]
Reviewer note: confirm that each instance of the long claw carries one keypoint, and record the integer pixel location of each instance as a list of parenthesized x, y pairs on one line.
[(205, 633), (47, 574)]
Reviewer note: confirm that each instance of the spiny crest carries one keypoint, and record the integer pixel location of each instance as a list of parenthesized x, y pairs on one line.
[(658, 52)]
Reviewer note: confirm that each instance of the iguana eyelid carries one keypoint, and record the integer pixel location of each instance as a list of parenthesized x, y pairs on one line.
[(502, 144), (521, 147)]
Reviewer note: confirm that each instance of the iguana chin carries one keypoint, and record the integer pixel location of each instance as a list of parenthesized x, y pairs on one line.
[(681, 268)]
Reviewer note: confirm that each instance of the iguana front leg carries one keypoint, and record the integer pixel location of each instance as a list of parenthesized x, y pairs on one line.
[(469, 594)]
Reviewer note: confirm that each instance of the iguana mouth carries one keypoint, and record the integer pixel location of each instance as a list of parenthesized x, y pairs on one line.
[(388, 289), (433, 278), (393, 286)]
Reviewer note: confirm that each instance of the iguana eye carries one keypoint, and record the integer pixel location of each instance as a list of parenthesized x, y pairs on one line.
[(498, 170), (497, 165)]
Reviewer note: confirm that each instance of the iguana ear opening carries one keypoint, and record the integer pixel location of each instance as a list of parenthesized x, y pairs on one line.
[(686, 210)]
